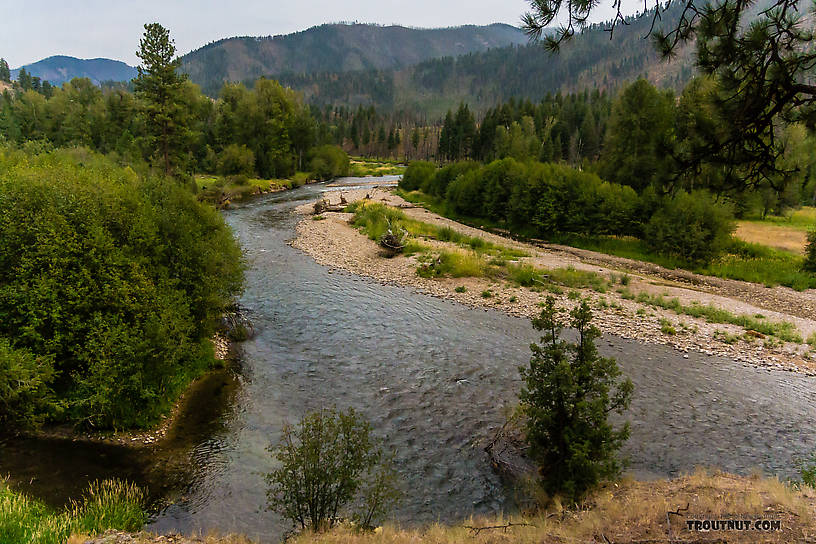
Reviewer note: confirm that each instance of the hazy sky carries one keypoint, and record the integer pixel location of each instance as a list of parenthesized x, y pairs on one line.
[(112, 28)]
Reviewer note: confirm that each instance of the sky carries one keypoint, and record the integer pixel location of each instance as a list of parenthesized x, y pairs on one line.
[(112, 28)]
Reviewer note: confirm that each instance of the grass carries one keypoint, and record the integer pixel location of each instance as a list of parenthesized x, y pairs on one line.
[(666, 327), (475, 256), (803, 219), (106, 505), (783, 330), (362, 167), (217, 188), (374, 219), (527, 275), (745, 261), (625, 511)]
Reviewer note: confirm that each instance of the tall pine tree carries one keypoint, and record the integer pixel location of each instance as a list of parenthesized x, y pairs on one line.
[(160, 88)]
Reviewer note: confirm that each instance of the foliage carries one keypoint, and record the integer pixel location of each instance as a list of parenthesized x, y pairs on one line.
[(25, 395), (106, 505), (328, 162), (692, 226), (638, 139), (810, 259), (327, 462), (417, 175), (160, 88), (568, 393), (236, 159), (758, 58), (116, 278), (542, 198)]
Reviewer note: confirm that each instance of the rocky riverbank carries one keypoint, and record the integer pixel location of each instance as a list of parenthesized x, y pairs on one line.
[(620, 310)]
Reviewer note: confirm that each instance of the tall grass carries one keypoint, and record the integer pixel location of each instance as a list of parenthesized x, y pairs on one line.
[(529, 276), (110, 504)]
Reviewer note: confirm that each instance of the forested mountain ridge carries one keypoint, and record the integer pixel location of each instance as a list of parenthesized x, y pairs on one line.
[(60, 68), (338, 48), (485, 78)]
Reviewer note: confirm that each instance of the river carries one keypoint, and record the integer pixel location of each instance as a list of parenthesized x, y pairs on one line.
[(434, 377)]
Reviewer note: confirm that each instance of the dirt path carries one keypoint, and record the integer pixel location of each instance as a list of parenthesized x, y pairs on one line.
[(333, 242)]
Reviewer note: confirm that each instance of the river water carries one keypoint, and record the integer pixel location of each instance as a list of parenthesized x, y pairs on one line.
[(434, 377)]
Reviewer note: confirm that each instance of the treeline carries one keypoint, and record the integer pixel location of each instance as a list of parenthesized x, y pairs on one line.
[(628, 178), (111, 285), (269, 125), (544, 199), (560, 127)]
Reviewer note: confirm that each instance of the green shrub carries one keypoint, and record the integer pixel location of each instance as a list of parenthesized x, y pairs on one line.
[(328, 161), (25, 393), (417, 175), (438, 185), (235, 159), (810, 256), (118, 279), (691, 226), (326, 462)]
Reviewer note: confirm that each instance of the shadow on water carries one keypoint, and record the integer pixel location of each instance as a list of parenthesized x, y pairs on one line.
[(56, 470), (435, 378)]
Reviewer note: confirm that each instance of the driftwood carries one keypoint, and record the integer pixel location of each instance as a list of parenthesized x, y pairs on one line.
[(324, 205), (477, 530), (508, 452)]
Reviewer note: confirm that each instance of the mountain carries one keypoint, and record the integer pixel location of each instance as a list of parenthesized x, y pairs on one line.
[(338, 48), (484, 78), (59, 69)]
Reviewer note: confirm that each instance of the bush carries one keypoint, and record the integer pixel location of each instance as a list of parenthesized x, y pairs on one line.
[(438, 185), (328, 161), (417, 175), (327, 461), (691, 226), (810, 254), (235, 159), (120, 280), (25, 393), (569, 391)]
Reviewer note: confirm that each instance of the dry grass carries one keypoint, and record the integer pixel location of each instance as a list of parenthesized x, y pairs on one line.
[(786, 238), (627, 512), (116, 537)]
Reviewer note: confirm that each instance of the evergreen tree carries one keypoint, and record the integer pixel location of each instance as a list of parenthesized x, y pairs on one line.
[(24, 79), (159, 86), (5, 72), (638, 138), (568, 393)]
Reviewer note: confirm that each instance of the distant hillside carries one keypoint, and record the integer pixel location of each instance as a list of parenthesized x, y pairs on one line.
[(486, 78), (59, 69), (338, 48)]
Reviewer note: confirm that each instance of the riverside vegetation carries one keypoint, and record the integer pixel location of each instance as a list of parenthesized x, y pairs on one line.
[(111, 285), (105, 505)]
